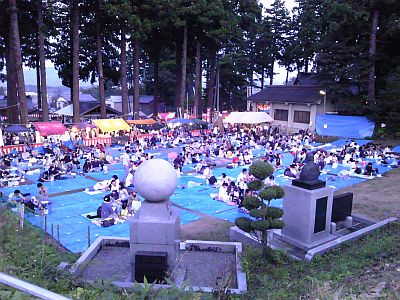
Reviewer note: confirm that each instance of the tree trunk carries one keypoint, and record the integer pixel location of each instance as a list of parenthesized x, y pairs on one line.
[(136, 87), (287, 77), (262, 78), (212, 58), (178, 72), (124, 84), (156, 90), (182, 86), (42, 65), (16, 51), (75, 59), (102, 96), (372, 53), (12, 101), (197, 83), (271, 74), (251, 81), (38, 85)]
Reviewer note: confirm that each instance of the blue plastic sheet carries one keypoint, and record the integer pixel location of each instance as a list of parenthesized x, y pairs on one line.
[(344, 126), (396, 149), (67, 210)]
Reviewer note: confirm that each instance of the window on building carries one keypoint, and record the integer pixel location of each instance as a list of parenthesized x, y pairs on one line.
[(281, 114), (301, 116)]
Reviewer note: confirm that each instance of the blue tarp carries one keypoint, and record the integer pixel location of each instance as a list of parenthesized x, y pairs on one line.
[(344, 126), (396, 149)]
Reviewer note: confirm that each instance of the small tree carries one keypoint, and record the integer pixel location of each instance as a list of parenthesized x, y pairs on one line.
[(264, 216)]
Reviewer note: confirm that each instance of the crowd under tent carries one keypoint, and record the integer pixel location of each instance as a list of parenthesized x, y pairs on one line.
[(50, 128), (110, 125), (248, 117), (16, 129)]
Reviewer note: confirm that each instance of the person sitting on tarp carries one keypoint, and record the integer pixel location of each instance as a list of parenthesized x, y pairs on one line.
[(96, 165), (106, 207), (44, 176), (14, 198), (291, 171), (54, 172), (369, 170), (124, 211), (33, 203), (87, 167), (47, 149)]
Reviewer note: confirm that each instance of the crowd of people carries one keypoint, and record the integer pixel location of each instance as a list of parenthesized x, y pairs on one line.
[(232, 147)]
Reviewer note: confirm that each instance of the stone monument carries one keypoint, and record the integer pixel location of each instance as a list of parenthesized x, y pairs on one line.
[(155, 228), (307, 208)]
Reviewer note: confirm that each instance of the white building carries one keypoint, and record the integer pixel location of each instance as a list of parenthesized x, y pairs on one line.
[(292, 106)]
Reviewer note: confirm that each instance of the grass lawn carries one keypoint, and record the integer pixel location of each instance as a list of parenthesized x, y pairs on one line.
[(367, 268)]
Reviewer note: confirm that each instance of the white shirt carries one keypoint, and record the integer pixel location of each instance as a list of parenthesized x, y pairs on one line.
[(125, 159), (129, 179)]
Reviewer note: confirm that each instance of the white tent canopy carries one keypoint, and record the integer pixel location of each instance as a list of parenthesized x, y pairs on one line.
[(141, 114), (248, 117), (66, 111)]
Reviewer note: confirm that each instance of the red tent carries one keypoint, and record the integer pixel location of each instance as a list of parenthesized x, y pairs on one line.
[(50, 128)]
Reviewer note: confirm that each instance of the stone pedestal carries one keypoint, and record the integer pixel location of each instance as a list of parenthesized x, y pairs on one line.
[(155, 228), (307, 216)]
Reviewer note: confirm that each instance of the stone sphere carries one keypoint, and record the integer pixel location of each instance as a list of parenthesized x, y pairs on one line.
[(155, 180)]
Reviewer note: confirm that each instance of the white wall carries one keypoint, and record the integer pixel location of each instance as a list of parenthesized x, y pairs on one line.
[(312, 108)]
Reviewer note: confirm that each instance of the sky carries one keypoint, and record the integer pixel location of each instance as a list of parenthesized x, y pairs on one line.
[(289, 3)]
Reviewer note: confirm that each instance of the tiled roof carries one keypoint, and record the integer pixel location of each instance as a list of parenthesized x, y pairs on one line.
[(289, 93)]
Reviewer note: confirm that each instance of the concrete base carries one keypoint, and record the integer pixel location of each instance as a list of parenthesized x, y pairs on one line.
[(155, 227), (238, 235), (307, 246), (87, 264), (307, 216)]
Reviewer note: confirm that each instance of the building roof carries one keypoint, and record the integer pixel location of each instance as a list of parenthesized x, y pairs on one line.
[(313, 79), (301, 94), (82, 97), (29, 103), (86, 108), (143, 99), (146, 99)]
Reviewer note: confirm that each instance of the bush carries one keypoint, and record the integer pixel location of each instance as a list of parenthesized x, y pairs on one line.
[(261, 169), (265, 216), (274, 213), (251, 202), (261, 225), (244, 224), (259, 213), (272, 192), (255, 185)]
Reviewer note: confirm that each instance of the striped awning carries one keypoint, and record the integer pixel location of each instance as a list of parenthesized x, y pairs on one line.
[(142, 122), (109, 125)]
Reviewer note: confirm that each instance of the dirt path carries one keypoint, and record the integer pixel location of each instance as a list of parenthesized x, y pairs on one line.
[(378, 198), (207, 228)]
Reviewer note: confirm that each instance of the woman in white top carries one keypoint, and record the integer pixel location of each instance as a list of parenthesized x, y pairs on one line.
[(123, 192)]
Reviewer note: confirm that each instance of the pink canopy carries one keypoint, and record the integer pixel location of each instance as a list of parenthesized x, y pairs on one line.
[(50, 128)]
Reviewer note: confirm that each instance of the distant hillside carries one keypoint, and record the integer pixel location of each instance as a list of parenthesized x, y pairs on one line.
[(51, 78)]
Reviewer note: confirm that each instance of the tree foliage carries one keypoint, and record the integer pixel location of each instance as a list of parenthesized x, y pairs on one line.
[(353, 43), (264, 217)]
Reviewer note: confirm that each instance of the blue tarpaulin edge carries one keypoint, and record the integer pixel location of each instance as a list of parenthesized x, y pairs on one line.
[(344, 126)]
